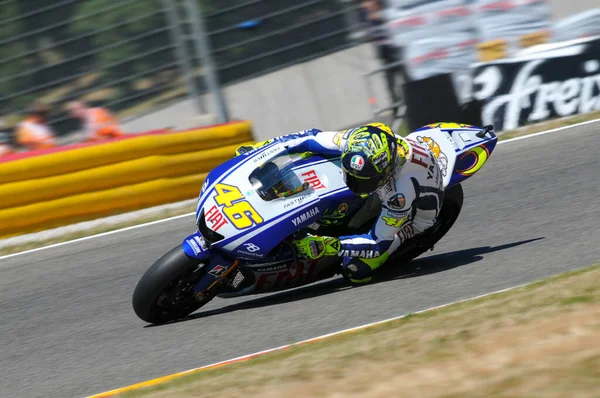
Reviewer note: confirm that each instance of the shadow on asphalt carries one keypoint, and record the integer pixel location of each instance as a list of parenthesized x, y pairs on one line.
[(416, 268), (445, 261)]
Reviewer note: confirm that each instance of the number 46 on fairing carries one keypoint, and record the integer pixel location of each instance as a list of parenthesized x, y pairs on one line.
[(235, 207)]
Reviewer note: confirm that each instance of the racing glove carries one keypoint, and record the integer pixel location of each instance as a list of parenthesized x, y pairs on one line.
[(315, 247)]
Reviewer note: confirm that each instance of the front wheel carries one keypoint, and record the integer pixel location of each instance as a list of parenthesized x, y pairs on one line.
[(165, 291)]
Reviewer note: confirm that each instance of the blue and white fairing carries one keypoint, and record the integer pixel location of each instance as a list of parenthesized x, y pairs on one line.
[(239, 222), (458, 148), (249, 225)]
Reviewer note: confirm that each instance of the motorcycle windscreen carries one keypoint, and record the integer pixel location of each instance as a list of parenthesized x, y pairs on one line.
[(276, 179)]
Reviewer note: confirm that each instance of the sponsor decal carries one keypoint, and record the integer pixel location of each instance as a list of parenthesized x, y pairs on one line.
[(357, 162), (342, 208), (205, 185), (295, 201), (406, 232), (306, 216), (266, 154), (431, 171), (194, 246), (435, 149), (480, 155), (397, 202), (359, 253), (395, 222), (313, 179), (295, 275), (433, 146), (218, 271), (236, 208), (215, 218), (396, 214), (247, 253), (559, 83), (201, 242), (420, 154), (251, 247), (272, 268)]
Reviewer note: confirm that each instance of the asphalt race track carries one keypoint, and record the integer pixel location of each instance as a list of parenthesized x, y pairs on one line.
[(67, 327)]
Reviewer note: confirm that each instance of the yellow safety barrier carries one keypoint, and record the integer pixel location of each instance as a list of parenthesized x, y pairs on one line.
[(76, 208), (85, 183), (112, 176), (133, 148)]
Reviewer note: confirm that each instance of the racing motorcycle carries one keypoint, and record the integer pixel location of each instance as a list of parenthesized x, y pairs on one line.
[(252, 206)]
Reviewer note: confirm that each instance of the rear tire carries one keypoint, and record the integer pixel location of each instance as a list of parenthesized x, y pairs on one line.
[(413, 248), (165, 291)]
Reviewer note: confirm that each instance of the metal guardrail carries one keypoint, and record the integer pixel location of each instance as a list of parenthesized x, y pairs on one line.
[(396, 106), (263, 36), (135, 55), (117, 54)]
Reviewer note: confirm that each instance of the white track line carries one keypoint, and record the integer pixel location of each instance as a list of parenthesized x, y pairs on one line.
[(161, 380), (98, 235), (549, 131), (116, 231)]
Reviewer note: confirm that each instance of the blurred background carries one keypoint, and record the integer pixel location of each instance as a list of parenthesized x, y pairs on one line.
[(133, 57), (84, 72)]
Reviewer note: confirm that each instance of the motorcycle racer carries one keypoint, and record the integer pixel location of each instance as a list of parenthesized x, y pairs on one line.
[(403, 173)]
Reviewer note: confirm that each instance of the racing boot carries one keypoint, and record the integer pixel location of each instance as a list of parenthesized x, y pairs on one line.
[(359, 271)]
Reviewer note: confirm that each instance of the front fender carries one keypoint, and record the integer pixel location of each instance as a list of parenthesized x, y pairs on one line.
[(195, 246)]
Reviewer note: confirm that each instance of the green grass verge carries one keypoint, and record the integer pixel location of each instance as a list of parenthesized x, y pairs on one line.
[(540, 340)]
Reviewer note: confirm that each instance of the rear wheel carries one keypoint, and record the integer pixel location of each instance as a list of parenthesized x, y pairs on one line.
[(165, 291), (413, 248)]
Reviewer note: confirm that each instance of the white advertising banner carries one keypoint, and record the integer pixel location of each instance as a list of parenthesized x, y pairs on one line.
[(585, 24)]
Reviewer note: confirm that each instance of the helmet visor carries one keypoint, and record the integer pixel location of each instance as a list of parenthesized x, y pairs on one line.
[(362, 186)]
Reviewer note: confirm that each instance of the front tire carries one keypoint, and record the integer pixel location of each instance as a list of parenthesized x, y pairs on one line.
[(165, 291)]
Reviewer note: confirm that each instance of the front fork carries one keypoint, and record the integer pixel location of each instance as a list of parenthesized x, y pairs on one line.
[(218, 267), (216, 275)]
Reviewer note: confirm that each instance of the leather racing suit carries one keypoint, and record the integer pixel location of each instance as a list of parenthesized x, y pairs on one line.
[(411, 200)]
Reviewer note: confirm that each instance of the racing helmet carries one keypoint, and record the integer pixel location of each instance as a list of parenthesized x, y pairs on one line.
[(369, 156)]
